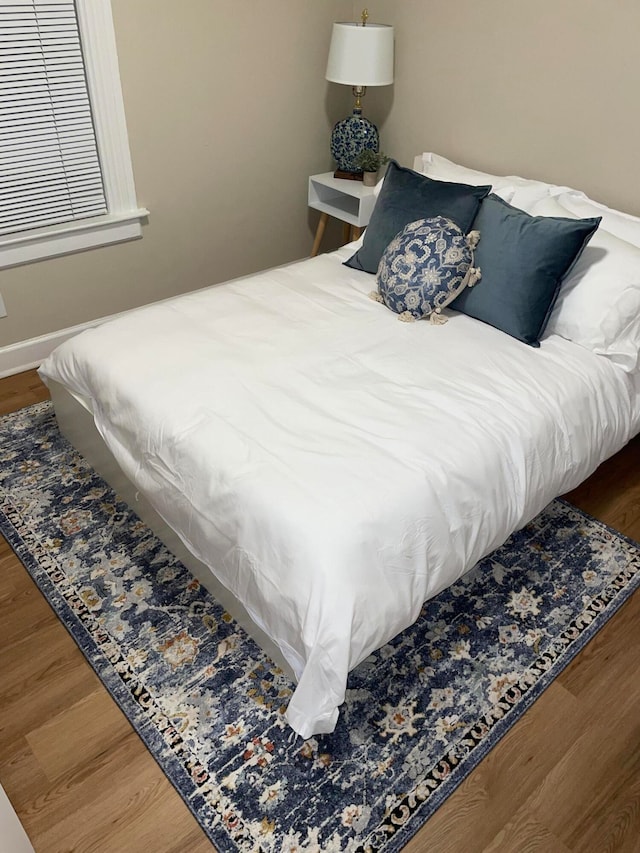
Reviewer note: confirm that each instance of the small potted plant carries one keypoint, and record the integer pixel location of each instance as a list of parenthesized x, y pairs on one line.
[(370, 162)]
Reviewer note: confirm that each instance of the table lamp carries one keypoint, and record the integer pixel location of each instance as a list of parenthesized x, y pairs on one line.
[(360, 55)]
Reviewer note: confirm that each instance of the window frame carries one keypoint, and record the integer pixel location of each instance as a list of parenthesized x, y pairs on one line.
[(124, 218)]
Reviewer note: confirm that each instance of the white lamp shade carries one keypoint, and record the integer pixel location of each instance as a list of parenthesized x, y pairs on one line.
[(361, 56)]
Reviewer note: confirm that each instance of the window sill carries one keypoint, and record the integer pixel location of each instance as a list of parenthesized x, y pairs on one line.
[(42, 243)]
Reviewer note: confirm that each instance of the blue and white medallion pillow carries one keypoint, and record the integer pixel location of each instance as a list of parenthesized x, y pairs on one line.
[(425, 267)]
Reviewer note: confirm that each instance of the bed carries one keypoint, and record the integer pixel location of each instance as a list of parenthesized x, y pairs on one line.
[(325, 469)]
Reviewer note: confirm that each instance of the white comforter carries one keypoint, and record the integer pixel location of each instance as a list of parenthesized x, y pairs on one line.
[(335, 467)]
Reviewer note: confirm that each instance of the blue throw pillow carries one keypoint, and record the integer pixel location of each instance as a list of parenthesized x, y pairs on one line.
[(523, 260), (425, 267), (406, 196)]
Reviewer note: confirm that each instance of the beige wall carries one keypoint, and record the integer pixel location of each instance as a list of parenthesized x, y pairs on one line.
[(228, 113), (547, 89)]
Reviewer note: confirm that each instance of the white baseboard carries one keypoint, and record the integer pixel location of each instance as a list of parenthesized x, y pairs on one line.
[(24, 355), (16, 358)]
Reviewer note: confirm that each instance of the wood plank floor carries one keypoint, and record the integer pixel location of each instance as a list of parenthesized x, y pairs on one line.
[(565, 778)]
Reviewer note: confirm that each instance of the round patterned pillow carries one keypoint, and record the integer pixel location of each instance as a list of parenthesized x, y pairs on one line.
[(425, 267)]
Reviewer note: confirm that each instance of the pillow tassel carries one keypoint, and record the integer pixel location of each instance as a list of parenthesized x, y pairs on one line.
[(437, 319), (406, 317), (472, 239), (376, 296), (474, 276)]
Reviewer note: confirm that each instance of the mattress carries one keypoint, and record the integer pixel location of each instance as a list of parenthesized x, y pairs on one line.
[(333, 467)]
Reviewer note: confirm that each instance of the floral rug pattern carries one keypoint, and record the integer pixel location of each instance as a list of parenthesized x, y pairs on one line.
[(420, 713)]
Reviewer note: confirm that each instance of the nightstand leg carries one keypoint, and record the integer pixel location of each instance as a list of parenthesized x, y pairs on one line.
[(356, 232), (322, 224)]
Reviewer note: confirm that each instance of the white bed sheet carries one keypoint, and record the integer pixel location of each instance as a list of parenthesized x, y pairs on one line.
[(334, 467)]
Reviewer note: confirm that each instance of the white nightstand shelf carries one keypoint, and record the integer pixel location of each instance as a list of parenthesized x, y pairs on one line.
[(349, 201)]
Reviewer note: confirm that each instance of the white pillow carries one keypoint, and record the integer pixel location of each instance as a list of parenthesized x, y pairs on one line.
[(520, 192), (621, 225), (598, 305), (440, 169)]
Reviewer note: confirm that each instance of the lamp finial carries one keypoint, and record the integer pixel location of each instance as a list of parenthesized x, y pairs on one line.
[(365, 15)]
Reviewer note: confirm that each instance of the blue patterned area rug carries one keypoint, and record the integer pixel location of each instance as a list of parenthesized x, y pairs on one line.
[(420, 713)]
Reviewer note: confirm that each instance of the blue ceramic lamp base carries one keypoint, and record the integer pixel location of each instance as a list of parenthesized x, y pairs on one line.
[(351, 136)]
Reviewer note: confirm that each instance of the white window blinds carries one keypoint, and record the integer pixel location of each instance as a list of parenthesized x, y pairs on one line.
[(49, 164)]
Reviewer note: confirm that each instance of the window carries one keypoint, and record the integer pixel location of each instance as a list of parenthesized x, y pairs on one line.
[(66, 181)]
